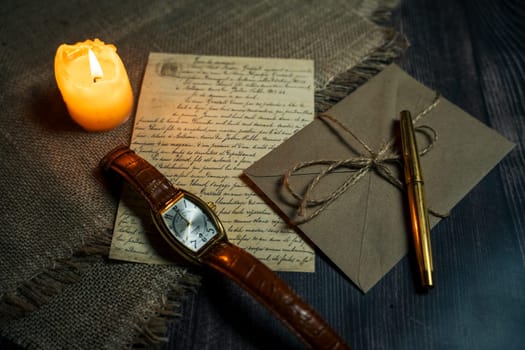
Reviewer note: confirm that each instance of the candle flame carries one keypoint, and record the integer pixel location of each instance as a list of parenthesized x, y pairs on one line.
[(96, 69)]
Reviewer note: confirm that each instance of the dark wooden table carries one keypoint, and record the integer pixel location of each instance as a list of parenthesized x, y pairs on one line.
[(473, 52)]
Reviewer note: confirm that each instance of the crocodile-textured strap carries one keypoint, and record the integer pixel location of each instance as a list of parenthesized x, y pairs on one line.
[(243, 268), (147, 180), (273, 292)]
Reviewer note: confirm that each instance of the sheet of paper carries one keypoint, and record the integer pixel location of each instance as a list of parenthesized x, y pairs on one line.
[(202, 120)]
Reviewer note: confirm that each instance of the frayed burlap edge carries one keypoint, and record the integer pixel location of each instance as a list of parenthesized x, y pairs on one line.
[(152, 322), (149, 324), (345, 83), (152, 325), (42, 287)]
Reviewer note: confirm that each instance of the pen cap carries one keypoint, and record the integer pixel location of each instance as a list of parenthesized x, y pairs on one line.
[(409, 149)]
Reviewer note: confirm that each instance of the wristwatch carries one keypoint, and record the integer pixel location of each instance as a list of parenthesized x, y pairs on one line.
[(195, 232)]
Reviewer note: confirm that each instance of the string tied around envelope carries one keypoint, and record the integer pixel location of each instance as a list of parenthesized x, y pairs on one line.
[(370, 160)]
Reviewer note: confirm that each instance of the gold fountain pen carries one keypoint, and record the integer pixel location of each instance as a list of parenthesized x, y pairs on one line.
[(416, 200)]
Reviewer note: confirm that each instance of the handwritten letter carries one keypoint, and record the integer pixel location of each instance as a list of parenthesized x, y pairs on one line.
[(202, 120)]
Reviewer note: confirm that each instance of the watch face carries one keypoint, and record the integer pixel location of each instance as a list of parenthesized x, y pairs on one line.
[(189, 224)]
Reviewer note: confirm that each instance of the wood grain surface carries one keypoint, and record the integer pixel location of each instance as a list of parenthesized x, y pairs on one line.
[(473, 52)]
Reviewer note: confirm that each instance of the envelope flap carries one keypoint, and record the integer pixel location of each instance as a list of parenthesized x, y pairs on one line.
[(365, 230)]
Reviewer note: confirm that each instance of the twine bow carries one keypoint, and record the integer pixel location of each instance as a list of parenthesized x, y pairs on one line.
[(360, 166)]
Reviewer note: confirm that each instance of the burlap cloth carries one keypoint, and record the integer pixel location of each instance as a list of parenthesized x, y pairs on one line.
[(57, 287)]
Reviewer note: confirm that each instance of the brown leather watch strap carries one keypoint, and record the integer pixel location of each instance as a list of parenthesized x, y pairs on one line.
[(243, 268), (147, 180), (273, 292)]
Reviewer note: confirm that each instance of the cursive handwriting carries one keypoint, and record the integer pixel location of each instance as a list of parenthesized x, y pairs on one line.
[(201, 121)]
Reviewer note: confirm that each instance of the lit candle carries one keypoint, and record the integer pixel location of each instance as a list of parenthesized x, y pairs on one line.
[(94, 84)]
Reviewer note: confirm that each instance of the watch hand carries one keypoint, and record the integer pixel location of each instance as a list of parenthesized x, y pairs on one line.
[(183, 218), (188, 229)]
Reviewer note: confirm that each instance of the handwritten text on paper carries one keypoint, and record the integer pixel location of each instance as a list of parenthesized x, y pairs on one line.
[(202, 120)]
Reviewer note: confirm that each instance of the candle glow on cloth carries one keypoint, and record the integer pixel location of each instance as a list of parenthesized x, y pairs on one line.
[(94, 84)]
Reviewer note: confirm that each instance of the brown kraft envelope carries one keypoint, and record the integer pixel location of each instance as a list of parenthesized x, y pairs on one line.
[(364, 231)]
